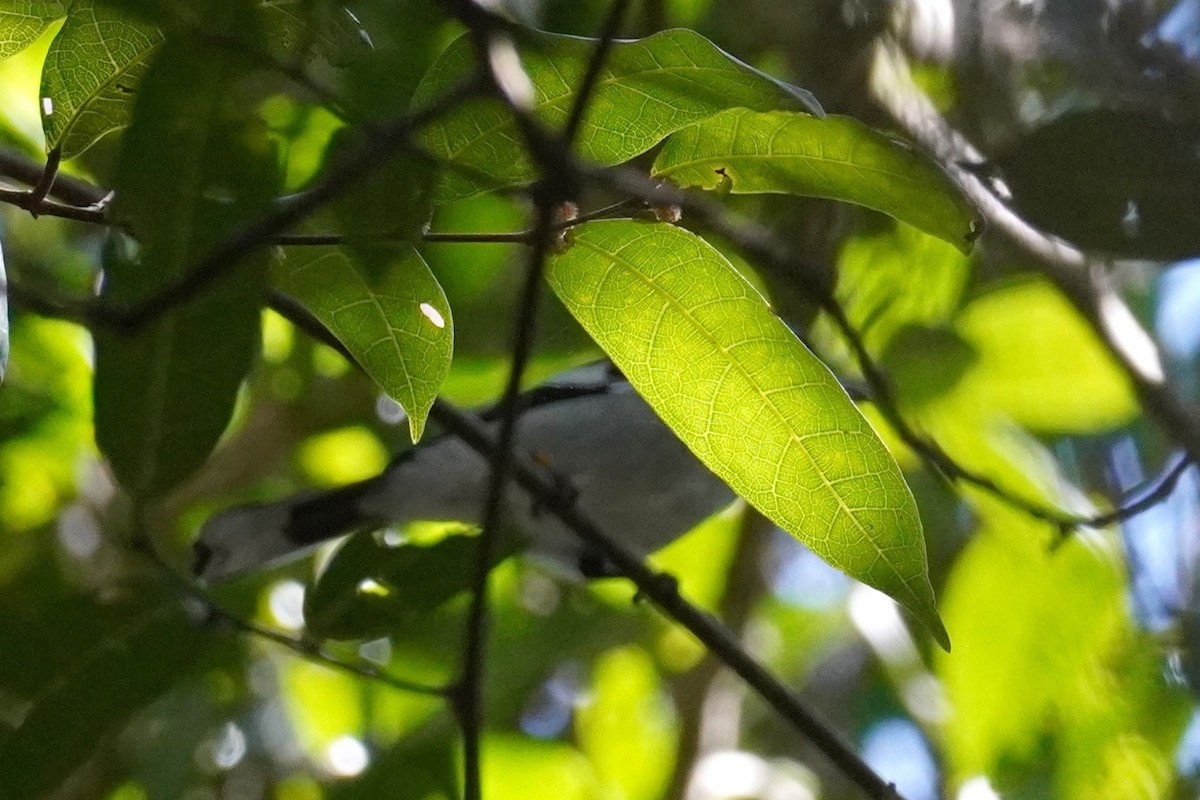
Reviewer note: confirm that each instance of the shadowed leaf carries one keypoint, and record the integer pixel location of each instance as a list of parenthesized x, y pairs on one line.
[(371, 590), (189, 174)]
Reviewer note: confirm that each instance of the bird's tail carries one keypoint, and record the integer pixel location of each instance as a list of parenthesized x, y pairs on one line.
[(251, 537)]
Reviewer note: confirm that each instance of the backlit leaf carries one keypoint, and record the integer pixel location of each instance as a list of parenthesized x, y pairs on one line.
[(1040, 364), (22, 22), (648, 89), (91, 73), (625, 726), (1048, 664), (748, 398), (835, 157), (522, 767), (393, 317)]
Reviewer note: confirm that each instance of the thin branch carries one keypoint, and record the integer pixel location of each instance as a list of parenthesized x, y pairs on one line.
[(41, 207), (663, 591), (599, 57), (42, 189), (553, 188), (759, 246), (546, 487), (70, 191), (469, 696), (303, 646), (525, 237), (378, 144)]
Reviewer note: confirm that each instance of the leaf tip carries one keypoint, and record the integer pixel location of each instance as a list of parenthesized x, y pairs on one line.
[(416, 425), (938, 629)]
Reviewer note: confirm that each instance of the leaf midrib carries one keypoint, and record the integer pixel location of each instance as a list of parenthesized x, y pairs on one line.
[(616, 259)]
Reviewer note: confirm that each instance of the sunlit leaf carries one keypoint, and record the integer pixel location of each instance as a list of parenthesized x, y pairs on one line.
[(23, 21), (341, 456), (1040, 364), (626, 728), (748, 398), (649, 88), (889, 281), (1044, 648), (91, 74), (188, 175), (520, 768), (898, 278), (302, 132), (395, 320), (836, 157), (45, 422)]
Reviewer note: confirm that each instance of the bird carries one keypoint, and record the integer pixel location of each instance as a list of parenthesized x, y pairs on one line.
[(623, 467)]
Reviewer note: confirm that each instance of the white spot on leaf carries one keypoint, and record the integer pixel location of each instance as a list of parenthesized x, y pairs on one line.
[(433, 315)]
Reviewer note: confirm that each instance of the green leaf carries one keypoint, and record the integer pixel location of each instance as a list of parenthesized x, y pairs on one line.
[(189, 173), (23, 21), (520, 767), (78, 671), (387, 309), (626, 728), (1048, 664), (3, 319), (301, 27), (748, 398), (1040, 364), (835, 157), (889, 281), (91, 73), (370, 589), (648, 89)]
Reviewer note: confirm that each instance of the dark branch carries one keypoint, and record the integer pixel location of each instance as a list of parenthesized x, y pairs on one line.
[(302, 645)]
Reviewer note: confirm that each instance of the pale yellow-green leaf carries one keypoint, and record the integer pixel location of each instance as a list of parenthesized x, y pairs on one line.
[(701, 345), (1048, 664), (1040, 364), (897, 278), (520, 768), (626, 729), (647, 89)]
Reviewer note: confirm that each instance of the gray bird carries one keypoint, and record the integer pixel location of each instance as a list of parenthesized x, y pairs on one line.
[(626, 470)]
